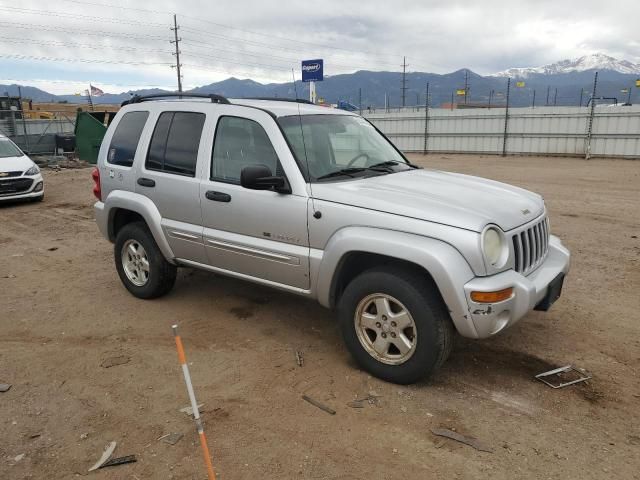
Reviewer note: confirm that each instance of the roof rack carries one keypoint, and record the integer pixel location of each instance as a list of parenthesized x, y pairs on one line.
[(144, 98), (276, 99)]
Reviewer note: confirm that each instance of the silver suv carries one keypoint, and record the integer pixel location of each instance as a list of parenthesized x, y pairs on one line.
[(317, 202)]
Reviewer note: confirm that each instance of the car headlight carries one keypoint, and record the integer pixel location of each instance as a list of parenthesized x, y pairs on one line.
[(32, 171), (494, 247)]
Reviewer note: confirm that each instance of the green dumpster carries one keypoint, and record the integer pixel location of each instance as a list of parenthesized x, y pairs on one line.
[(90, 129)]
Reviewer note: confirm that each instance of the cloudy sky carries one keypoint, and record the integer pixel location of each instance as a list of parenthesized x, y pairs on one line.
[(120, 44)]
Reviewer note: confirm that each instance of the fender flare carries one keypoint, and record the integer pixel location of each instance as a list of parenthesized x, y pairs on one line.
[(446, 265), (143, 206)]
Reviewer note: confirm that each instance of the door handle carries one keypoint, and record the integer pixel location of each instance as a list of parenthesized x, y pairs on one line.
[(218, 196), (146, 182)]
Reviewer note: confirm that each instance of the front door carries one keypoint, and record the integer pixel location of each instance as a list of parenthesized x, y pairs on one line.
[(256, 233)]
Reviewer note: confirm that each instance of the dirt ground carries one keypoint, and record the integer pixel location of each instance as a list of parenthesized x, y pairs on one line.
[(63, 313)]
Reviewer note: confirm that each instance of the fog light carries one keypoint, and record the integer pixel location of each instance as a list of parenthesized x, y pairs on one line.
[(492, 297), (38, 187)]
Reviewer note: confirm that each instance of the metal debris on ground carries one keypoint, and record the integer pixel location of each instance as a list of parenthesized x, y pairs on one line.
[(119, 461), (371, 399), (472, 442), (321, 406), (189, 410), (171, 438), (105, 456), (299, 358), (115, 361), (5, 387), (559, 373)]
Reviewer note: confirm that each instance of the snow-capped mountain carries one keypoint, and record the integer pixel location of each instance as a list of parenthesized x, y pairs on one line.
[(596, 61)]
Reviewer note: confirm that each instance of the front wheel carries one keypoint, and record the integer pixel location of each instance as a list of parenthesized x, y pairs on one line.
[(395, 324), (140, 264)]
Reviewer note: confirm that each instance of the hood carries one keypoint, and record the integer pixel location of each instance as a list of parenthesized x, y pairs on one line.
[(452, 199), (15, 164)]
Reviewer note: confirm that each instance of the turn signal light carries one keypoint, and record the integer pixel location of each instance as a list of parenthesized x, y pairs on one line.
[(97, 191), (492, 297)]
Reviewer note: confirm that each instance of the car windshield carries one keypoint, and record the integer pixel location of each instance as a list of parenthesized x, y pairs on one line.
[(8, 149), (340, 147)]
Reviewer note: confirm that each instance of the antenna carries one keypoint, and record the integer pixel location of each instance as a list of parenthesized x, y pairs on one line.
[(316, 214)]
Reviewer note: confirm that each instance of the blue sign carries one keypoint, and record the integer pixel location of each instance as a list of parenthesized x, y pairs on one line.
[(312, 70)]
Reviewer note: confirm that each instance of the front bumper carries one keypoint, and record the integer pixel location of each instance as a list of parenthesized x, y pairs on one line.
[(490, 318), (35, 190)]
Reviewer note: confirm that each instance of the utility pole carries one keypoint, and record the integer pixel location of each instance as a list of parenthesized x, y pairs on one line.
[(506, 120), (533, 102), (176, 40), (581, 93), (404, 80), (426, 118), (555, 97), (587, 149), (466, 85), (452, 92), (360, 100), (629, 96), (490, 98)]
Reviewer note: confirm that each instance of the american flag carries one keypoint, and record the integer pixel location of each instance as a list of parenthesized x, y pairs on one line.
[(95, 91)]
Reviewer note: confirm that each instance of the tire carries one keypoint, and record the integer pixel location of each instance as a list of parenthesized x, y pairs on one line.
[(151, 279), (415, 293)]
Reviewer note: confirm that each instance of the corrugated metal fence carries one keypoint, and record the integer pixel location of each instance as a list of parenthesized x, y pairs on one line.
[(532, 131)]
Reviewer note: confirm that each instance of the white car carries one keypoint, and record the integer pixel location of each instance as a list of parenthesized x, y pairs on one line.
[(20, 178)]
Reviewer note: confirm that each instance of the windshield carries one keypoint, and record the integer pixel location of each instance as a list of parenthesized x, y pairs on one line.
[(8, 149), (333, 143)]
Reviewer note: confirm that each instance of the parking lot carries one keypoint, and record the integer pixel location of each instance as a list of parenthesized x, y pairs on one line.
[(64, 315)]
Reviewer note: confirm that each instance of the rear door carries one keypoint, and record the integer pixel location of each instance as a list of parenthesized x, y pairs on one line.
[(169, 176), (257, 233)]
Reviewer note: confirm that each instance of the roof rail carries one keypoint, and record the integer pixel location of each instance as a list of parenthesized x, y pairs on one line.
[(144, 98), (276, 99)]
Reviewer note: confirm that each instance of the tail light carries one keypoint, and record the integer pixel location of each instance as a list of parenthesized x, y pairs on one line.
[(95, 174)]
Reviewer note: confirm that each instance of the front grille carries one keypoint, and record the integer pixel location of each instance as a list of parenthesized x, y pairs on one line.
[(14, 186), (10, 174), (530, 246)]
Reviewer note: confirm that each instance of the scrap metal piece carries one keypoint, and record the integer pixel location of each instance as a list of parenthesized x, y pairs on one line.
[(105, 456), (171, 438), (321, 406), (568, 368), (472, 442), (119, 461), (299, 358), (5, 387)]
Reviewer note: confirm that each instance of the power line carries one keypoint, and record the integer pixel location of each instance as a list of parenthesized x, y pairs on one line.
[(80, 60), (54, 43), (33, 26)]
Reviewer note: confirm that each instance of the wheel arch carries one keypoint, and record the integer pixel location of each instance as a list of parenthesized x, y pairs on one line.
[(126, 207), (355, 249)]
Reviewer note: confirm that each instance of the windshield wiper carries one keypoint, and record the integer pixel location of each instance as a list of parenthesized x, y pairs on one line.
[(347, 172), (391, 163)]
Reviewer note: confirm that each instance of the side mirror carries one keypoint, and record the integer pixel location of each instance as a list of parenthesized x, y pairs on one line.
[(259, 177)]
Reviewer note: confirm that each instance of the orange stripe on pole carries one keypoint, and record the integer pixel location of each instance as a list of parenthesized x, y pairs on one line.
[(207, 458), (181, 356)]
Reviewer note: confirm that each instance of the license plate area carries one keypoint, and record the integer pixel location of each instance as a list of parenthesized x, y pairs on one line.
[(554, 290)]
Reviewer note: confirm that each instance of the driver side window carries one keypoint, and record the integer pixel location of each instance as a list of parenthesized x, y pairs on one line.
[(239, 143)]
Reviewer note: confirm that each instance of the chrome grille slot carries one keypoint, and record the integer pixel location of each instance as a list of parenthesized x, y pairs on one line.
[(530, 246)]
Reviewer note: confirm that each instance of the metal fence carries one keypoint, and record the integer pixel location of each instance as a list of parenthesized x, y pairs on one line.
[(603, 131), (36, 135)]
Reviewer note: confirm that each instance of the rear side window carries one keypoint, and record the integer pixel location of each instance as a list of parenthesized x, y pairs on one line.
[(125, 139), (175, 141), (239, 143)]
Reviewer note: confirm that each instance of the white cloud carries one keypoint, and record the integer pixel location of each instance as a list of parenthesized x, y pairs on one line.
[(434, 35)]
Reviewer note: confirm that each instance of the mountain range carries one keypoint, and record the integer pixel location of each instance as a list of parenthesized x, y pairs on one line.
[(562, 83)]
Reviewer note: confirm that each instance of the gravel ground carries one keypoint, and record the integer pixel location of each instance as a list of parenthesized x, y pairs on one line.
[(64, 313)]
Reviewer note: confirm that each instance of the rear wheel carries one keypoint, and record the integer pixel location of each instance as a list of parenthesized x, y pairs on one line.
[(395, 324), (140, 264)]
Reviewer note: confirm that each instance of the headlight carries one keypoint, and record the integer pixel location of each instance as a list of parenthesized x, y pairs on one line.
[(32, 171), (494, 246)]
